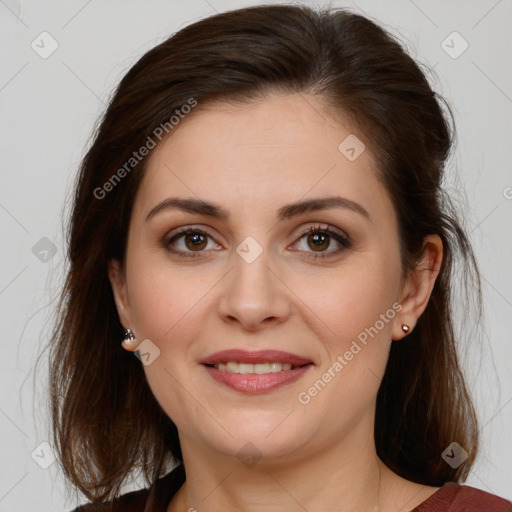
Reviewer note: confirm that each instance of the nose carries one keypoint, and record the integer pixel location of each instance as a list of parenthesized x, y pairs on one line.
[(254, 296)]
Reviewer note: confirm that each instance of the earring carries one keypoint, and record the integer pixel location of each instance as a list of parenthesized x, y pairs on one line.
[(129, 339), (405, 328)]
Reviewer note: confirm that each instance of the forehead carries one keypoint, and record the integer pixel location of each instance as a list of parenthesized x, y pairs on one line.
[(270, 151)]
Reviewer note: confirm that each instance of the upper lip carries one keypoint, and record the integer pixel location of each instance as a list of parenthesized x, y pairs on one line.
[(255, 357)]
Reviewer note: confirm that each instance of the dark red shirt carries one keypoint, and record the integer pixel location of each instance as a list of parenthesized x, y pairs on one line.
[(451, 497)]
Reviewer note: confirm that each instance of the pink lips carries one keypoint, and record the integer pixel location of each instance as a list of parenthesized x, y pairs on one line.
[(256, 383)]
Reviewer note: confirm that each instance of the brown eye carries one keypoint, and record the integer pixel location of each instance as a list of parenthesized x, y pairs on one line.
[(317, 239), (195, 241), (187, 242)]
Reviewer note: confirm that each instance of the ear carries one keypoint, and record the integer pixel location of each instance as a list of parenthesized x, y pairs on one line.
[(418, 287), (117, 280)]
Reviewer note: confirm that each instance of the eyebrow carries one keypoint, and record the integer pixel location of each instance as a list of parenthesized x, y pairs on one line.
[(201, 207)]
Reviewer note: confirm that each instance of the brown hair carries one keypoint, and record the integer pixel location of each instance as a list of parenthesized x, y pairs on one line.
[(105, 419)]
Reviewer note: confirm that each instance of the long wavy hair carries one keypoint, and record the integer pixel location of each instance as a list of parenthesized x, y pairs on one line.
[(105, 421)]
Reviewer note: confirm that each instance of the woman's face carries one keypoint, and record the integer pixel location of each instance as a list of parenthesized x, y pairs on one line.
[(249, 277)]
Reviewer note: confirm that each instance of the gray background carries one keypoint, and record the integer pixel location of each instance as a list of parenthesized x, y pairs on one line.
[(48, 110)]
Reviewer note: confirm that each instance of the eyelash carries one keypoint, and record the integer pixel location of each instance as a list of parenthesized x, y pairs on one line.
[(343, 240)]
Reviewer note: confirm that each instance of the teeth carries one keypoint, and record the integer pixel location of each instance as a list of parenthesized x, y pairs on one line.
[(258, 369)]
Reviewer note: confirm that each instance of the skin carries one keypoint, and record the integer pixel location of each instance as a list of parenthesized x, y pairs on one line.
[(252, 159)]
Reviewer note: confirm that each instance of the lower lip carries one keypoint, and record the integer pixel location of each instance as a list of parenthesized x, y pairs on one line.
[(253, 383)]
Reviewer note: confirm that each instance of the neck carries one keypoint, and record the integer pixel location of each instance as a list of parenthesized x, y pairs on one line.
[(347, 476)]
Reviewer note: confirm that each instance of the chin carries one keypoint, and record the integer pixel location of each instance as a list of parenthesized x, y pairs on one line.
[(270, 438)]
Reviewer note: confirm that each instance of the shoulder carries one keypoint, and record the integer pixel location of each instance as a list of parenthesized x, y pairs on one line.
[(154, 499), (464, 498), (134, 501)]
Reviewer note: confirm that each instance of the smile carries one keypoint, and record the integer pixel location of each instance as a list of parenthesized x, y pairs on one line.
[(259, 368), (254, 379)]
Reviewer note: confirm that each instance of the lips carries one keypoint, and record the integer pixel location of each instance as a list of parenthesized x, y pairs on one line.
[(255, 372), (254, 384), (255, 357)]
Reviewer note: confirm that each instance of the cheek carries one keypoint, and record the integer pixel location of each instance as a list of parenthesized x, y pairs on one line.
[(356, 312), (170, 315), (351, 301), (348, 380), (163, 298)]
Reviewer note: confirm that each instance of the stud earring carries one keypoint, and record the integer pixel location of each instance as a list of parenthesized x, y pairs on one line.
[(405, 328), (129, 339)]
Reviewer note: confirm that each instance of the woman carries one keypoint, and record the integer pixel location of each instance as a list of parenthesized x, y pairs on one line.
[(260, 218)]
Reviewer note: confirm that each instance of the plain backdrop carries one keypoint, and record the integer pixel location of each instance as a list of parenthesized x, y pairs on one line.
[(51, 94)]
